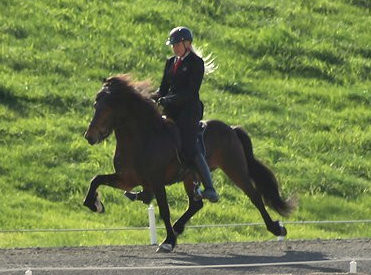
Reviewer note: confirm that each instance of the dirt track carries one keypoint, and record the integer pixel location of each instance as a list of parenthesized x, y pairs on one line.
[(192, 259)]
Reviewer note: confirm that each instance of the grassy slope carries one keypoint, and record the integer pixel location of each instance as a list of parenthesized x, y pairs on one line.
[(296, 75)]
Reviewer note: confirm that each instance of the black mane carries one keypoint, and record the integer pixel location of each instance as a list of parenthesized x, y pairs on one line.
[(135, 95)]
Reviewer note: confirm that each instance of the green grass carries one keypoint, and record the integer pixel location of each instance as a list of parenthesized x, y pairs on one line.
[(294, 74)]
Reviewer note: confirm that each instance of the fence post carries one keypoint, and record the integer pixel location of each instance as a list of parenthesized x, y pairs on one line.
[(152, 225), (353, 267)]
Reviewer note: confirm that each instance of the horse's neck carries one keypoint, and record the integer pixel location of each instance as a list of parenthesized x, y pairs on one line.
[(130, 136), (137, 131)]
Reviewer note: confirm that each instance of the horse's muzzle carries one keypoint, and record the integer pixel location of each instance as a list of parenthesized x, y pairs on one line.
[(90, 139)]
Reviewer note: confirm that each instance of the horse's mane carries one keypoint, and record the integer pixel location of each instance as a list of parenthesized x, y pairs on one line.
[(135, 92), (123, 83)]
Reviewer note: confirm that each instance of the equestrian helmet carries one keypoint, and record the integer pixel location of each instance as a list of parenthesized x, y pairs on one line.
[(179, 34)]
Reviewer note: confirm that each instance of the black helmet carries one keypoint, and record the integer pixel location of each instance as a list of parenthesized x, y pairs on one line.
[(179, 34)]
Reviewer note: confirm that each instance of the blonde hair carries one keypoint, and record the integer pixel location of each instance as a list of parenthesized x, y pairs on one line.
[(209, 64)]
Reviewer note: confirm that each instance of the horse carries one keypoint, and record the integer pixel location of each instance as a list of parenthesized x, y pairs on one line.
[(147, 155)]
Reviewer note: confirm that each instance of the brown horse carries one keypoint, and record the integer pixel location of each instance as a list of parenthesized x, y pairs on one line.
[(147, 155)]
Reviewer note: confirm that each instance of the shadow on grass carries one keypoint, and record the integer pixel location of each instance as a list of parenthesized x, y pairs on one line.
[(362, 3), (23, 105), (237, 88), (12, 101)]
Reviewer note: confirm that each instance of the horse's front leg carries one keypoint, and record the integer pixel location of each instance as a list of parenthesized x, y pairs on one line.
[(169, 243), (91, 200), (194, 206)]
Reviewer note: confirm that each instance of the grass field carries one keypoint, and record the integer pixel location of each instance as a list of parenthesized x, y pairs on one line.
[(294, 74)]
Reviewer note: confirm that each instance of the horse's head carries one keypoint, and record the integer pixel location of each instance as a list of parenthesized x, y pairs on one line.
[(102, 123), (122, 103)]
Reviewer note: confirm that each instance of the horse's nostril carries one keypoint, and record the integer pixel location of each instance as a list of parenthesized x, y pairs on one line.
[(89, 139)]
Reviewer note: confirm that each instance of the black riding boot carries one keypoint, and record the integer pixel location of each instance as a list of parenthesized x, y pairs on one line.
[(203, 170)]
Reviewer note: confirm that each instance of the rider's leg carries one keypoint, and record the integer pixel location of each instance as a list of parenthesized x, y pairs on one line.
[(204, 173)]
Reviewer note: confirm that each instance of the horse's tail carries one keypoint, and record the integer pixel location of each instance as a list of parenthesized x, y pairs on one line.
[(265, 181)]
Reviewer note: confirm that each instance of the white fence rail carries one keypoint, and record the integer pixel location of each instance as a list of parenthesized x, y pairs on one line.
[(41, 230), (153, 228)]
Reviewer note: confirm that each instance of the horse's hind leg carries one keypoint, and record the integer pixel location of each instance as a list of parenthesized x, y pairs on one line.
[(273, 226), (234, 164), (193, 208), (91, 200)]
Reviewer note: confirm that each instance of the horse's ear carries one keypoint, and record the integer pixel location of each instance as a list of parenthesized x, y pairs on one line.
[(104, 80)]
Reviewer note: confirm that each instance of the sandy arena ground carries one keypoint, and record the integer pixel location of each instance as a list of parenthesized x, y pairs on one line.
[(294, 257)]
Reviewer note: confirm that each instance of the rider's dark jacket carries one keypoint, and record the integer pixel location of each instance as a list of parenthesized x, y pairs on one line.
[(182, 102)]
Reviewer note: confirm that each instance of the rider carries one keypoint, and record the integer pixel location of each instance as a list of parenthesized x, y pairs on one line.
[(179, 95)]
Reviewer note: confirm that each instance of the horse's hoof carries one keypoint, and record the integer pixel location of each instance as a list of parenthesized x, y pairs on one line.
[(278, 229), (283, 231), (131, 196), (92, 207), (164, 248), (99, 206)]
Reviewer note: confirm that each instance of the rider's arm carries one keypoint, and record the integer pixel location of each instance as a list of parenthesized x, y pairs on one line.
[(191, 89)]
